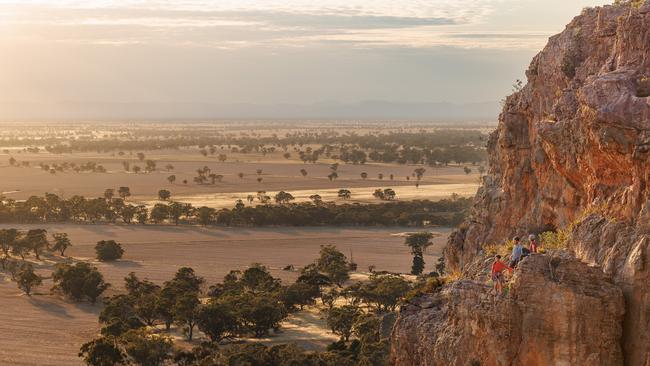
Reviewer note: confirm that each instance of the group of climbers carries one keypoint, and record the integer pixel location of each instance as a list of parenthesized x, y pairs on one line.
[(518, 253)]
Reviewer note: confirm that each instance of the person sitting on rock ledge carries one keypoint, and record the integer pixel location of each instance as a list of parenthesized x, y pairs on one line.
[(497, 274), (517, 253), (533, 243)]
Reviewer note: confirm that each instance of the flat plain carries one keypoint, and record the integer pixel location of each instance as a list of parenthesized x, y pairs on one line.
[(47, 329)]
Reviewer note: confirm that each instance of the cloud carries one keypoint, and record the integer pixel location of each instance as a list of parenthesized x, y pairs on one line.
[(245, 23)]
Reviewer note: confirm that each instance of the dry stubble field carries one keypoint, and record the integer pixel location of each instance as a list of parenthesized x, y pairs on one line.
[(277, 174)]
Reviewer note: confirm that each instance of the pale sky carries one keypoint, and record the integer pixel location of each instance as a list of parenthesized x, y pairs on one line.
[(85, 59)]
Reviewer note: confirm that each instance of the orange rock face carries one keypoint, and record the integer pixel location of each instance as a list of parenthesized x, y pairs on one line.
[(560, 311), (576, 136), (572, 149)]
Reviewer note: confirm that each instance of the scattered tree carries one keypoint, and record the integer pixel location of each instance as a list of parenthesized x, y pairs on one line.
[(418, 243), (36, 240), (186, 312), (150, 166), (344, 194), (387, 194), (205, 215), (333, 264), (299, 294), (316, 199), (124, 192), (419, 173), (283, 197), (27, 278), (218, 321), (108, 250), (146, 349), (61, 243), (80, 281), (103, 351), (164, 194), (341, 320)]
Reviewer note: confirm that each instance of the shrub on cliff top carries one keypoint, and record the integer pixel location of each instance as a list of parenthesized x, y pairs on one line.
[(504, 249), (634, 3), (426, 286), (555, 239)]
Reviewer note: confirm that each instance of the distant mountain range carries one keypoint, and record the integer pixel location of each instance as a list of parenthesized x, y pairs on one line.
[(442, 111)]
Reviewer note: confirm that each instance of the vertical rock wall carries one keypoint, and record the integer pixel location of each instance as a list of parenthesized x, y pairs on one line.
[(572, 149)]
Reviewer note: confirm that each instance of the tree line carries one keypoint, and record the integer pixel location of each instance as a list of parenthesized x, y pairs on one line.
[(420, 139), (433, 148), (113, 208)]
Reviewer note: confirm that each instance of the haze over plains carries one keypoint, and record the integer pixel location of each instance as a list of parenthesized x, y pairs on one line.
[(192, 59)]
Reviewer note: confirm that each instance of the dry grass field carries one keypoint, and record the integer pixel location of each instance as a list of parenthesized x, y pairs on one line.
[(277, 174), (47, 330)]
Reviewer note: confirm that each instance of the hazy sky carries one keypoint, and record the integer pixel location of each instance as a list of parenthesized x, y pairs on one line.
[(89, 54)]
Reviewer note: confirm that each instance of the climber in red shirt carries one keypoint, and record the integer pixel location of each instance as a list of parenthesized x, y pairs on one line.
[(497, 274)]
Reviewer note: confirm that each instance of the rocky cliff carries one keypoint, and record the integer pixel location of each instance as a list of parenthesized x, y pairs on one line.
[(572, 150), (558, 312)]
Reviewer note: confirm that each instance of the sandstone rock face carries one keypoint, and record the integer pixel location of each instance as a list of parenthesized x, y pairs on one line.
[(560, 312), (572, 149), (576, 136), (624, 253)]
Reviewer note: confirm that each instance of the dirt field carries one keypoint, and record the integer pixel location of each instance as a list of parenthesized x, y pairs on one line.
[(277, 174), (359, 195), (47, 330)]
